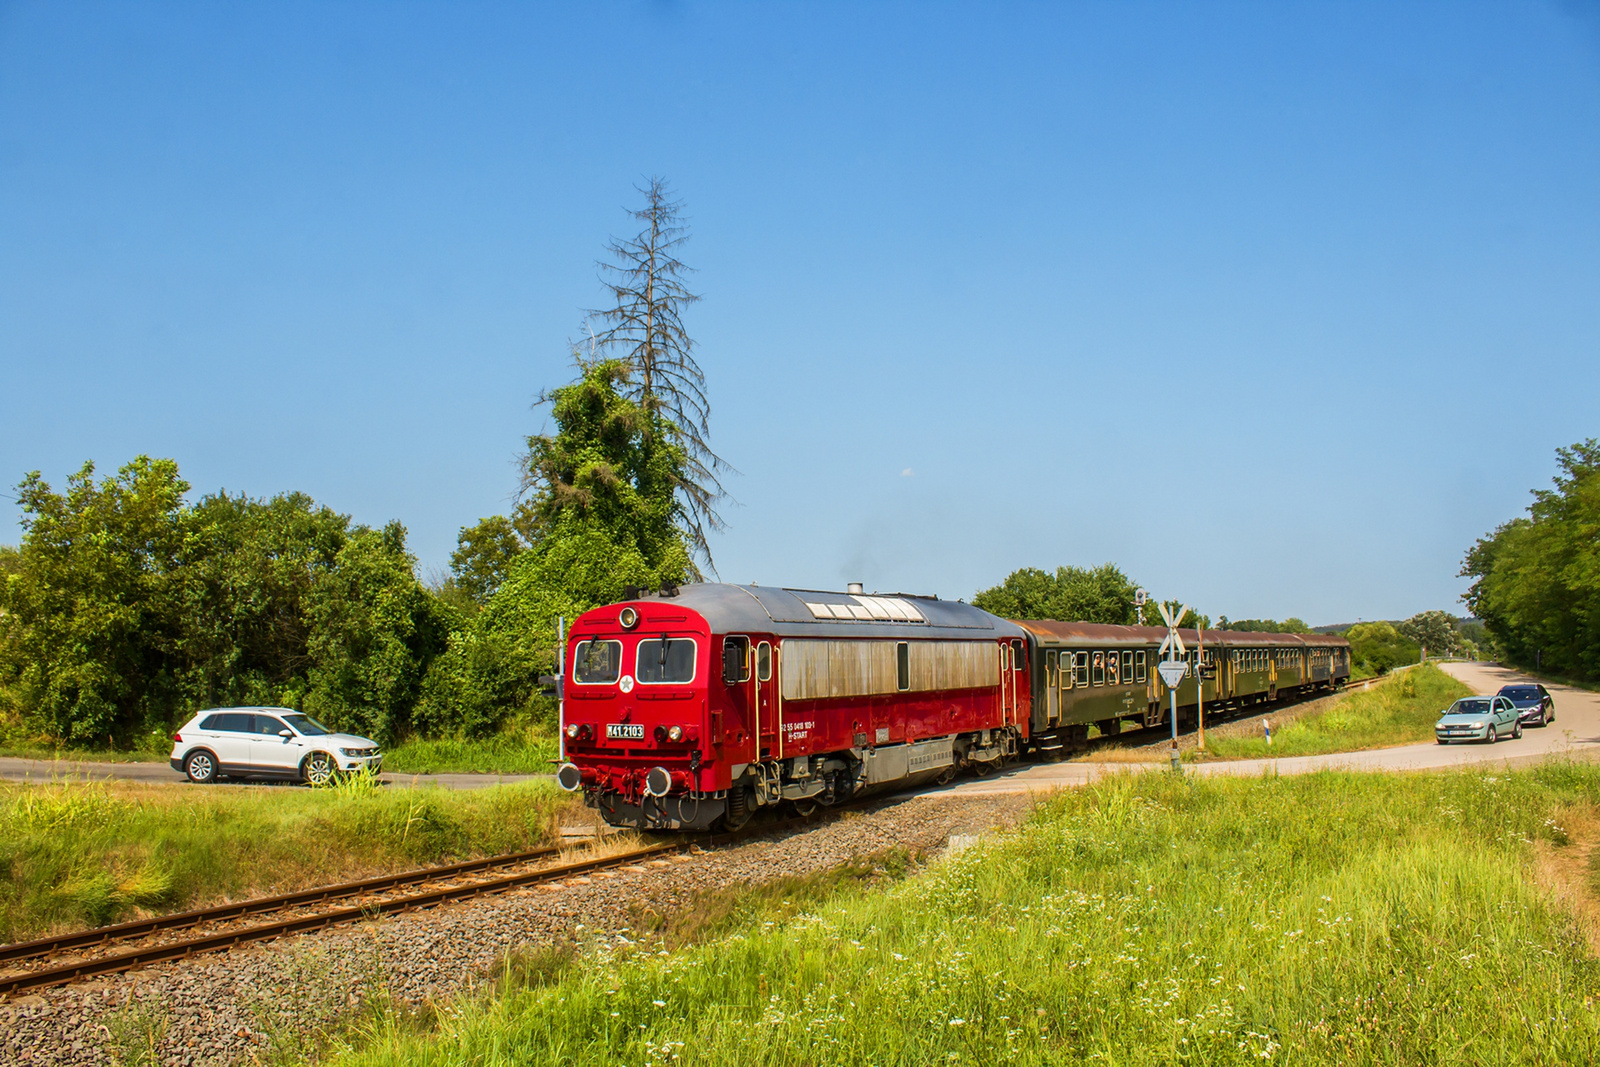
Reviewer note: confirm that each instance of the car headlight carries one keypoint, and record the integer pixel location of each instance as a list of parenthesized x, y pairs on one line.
[(1479, 725), (359, 751)]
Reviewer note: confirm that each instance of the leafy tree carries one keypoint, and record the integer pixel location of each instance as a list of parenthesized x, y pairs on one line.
[(1536, 580), (373, 633), (249, 570), (604, 506), (94, 602), (1379, 647), (1434, 631), (643, 328), (484, 554), (1100, 594)]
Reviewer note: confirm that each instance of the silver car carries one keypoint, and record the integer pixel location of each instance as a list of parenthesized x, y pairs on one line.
[(1481, 718), (268, 743)]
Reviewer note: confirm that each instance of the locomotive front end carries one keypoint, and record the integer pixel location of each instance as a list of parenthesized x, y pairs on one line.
[(635, 726)]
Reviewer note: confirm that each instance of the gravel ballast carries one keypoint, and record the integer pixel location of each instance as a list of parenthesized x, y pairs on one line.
[(241, 1006)]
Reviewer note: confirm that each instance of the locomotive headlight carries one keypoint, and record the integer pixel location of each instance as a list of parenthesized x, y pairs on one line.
[(572, 730), (628, 618), (675, 734)]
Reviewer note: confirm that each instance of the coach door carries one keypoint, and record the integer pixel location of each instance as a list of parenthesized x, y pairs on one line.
[(769, 701), (1052, 686), (738, 676)]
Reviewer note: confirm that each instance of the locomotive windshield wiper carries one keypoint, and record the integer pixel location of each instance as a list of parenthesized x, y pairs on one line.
[(664, 641)]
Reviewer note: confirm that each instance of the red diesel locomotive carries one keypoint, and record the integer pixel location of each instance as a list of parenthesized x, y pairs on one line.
[(696, 706), (693, 707)]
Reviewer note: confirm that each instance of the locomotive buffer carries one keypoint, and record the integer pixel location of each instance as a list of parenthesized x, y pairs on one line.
[(1172, 668)]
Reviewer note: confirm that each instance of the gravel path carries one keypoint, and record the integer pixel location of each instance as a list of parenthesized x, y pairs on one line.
[(236, 1007)]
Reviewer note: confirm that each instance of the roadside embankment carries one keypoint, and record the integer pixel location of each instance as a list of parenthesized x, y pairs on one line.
[(76, 854), (1145, 919)]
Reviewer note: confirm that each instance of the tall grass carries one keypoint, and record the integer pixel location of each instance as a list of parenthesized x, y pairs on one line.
[(1146, 920), (1397, 711), (74, 855), (517, 752)]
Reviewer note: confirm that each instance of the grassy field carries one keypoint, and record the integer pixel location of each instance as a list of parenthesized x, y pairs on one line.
[(1326, 919), (1397, 711), (75, 855)]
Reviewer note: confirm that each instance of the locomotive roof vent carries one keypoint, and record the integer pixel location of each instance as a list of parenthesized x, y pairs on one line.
[(855, 589)]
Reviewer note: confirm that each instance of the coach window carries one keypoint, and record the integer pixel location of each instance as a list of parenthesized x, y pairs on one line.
[(1127, 666), (763, 662), (1139, 669), (1080, 669), (1099, 668), (902, 666), (670, 660), (597, 662)]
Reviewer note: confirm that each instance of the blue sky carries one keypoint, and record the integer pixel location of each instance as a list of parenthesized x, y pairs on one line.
[(1277, 306)]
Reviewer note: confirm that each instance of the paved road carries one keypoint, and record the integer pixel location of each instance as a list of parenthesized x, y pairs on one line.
[(1575, 732), (34, 770)]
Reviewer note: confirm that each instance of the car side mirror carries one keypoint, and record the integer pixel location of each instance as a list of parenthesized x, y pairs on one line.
[(285, 734)]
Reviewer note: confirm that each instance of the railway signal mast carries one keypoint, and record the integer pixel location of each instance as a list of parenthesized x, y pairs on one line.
[(1172, 667)]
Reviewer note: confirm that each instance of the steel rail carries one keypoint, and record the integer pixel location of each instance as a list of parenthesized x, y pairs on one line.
[(125, 961), (44, 946)]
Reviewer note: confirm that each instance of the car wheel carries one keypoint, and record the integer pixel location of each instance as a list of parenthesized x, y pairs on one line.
[(319, 769), (1491, 737), (201, 767), (1516, 731)]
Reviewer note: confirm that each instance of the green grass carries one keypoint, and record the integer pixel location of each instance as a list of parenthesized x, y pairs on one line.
[(1334, 918), (525, 752), (76, 855), (1397, 711)]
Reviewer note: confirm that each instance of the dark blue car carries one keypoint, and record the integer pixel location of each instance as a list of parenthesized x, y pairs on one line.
[(1535, 706)]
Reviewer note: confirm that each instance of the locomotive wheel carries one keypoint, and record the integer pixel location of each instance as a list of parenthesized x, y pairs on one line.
[(982, 768), (806, 808), (738, 809), (946, 776)]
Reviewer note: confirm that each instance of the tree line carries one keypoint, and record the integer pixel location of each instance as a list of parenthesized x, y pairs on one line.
[(1105, 594), (127, 605), (1536, 579)]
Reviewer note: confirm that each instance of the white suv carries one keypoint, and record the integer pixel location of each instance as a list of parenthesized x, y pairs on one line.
[(267, 743)]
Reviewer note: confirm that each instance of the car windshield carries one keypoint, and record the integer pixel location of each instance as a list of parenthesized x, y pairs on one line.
[(306, 725), (1480, 706), (1523, 692)]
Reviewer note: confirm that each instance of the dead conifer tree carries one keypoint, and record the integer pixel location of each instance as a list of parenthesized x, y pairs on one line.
[(644, 328)]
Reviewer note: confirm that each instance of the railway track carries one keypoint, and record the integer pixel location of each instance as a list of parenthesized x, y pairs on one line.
[(371, 898)]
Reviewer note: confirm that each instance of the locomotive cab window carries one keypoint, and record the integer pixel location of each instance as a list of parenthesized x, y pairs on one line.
[(902, 666), (735, 661), (666, 660), (1019, 658), (763, 662), (597, 662)]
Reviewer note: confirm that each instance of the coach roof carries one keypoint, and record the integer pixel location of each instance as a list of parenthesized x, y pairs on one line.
[(818, 613)]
